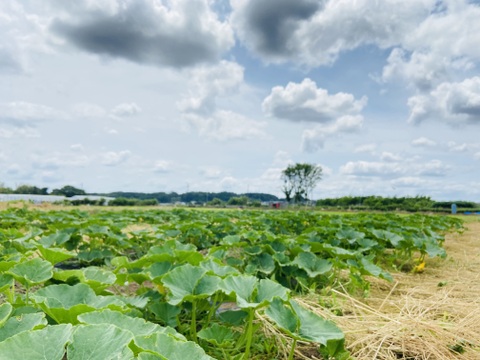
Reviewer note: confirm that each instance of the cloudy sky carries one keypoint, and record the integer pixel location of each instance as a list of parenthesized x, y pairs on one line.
[(221, 95)]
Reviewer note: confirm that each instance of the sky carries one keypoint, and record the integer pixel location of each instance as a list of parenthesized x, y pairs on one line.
[(218, 95)]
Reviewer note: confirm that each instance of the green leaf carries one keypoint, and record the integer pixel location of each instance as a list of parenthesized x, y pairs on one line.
[(21, 323), (5, 311), (284, 317), (6, 282), (97, 278), (166, 313), (45, 344), (267, 290), (32, 272), (55, 255), (217, 268), (188, 282), (136, 326), (312, 264), (100, 342), (63, 303), (218, 335), (242, 287), (170, 348), (372, 269), (315, 328)]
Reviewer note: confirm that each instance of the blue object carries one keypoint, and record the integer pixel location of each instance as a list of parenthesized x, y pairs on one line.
[(454, 208)]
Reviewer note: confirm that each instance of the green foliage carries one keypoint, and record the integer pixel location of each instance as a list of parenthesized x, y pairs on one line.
[(198, 271), (299, 180)]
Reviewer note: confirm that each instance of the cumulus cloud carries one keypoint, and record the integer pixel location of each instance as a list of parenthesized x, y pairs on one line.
[(390, 157), (112, 158), (21, 33), (177, 34), (306, 102), (314, 33), (456, 103), (423, 142), (200, 111), (207, 83), (429, 55), (314, 139)]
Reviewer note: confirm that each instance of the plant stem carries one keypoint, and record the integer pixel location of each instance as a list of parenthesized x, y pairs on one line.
[(292, 350), (193, 324), (249, 333)]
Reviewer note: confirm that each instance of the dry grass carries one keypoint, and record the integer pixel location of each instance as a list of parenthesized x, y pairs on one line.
[(432, 315)]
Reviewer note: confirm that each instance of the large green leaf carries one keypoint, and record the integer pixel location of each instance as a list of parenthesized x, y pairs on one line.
[(284, 317), (24, 322), (136, 326), (64, 303), (251, 292), (55, 255), (32, 272), (218, 335), (169, 348), (100, 342), (45, 344), (313, 265), (96, 278), (5, 311), (315, 328), (189, 282)]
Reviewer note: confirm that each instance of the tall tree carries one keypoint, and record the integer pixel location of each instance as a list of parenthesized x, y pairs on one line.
[(299, 180)]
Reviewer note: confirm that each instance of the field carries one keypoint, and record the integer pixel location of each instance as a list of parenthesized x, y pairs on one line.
[(236, 284)]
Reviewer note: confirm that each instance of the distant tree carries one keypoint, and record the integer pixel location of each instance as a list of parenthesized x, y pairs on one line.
[(4, 189), (31, 190), (238, 200), (299, 180), (68, 191), (216, 202)]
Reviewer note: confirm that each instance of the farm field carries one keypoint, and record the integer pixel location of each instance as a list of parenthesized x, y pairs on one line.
[(236, 284)]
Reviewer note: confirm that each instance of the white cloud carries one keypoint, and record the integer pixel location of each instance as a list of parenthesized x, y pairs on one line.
[(456, 103), (314, 33), (226, 125), (366, 148), (22, 34), (125, 110), (423, 142), (406, 168), (200, 111), (477, 155), (390, 157), (207, 83), (211, 172), (307, 102), (177, 34), (314, 139), (86, 110), (162, 166), (112, 158), (25, 114)]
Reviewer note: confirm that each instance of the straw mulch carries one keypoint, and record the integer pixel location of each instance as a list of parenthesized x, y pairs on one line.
[(432, 315)]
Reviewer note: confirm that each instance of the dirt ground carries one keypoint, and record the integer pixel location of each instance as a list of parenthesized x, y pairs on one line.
[(430, 315)]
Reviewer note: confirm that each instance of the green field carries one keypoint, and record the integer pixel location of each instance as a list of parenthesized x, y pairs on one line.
[(180, 283)]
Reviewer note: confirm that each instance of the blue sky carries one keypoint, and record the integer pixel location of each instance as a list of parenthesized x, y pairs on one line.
[(217, 95)]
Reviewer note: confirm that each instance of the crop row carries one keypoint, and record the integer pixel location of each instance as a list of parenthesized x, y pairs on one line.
[(188, 284)]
